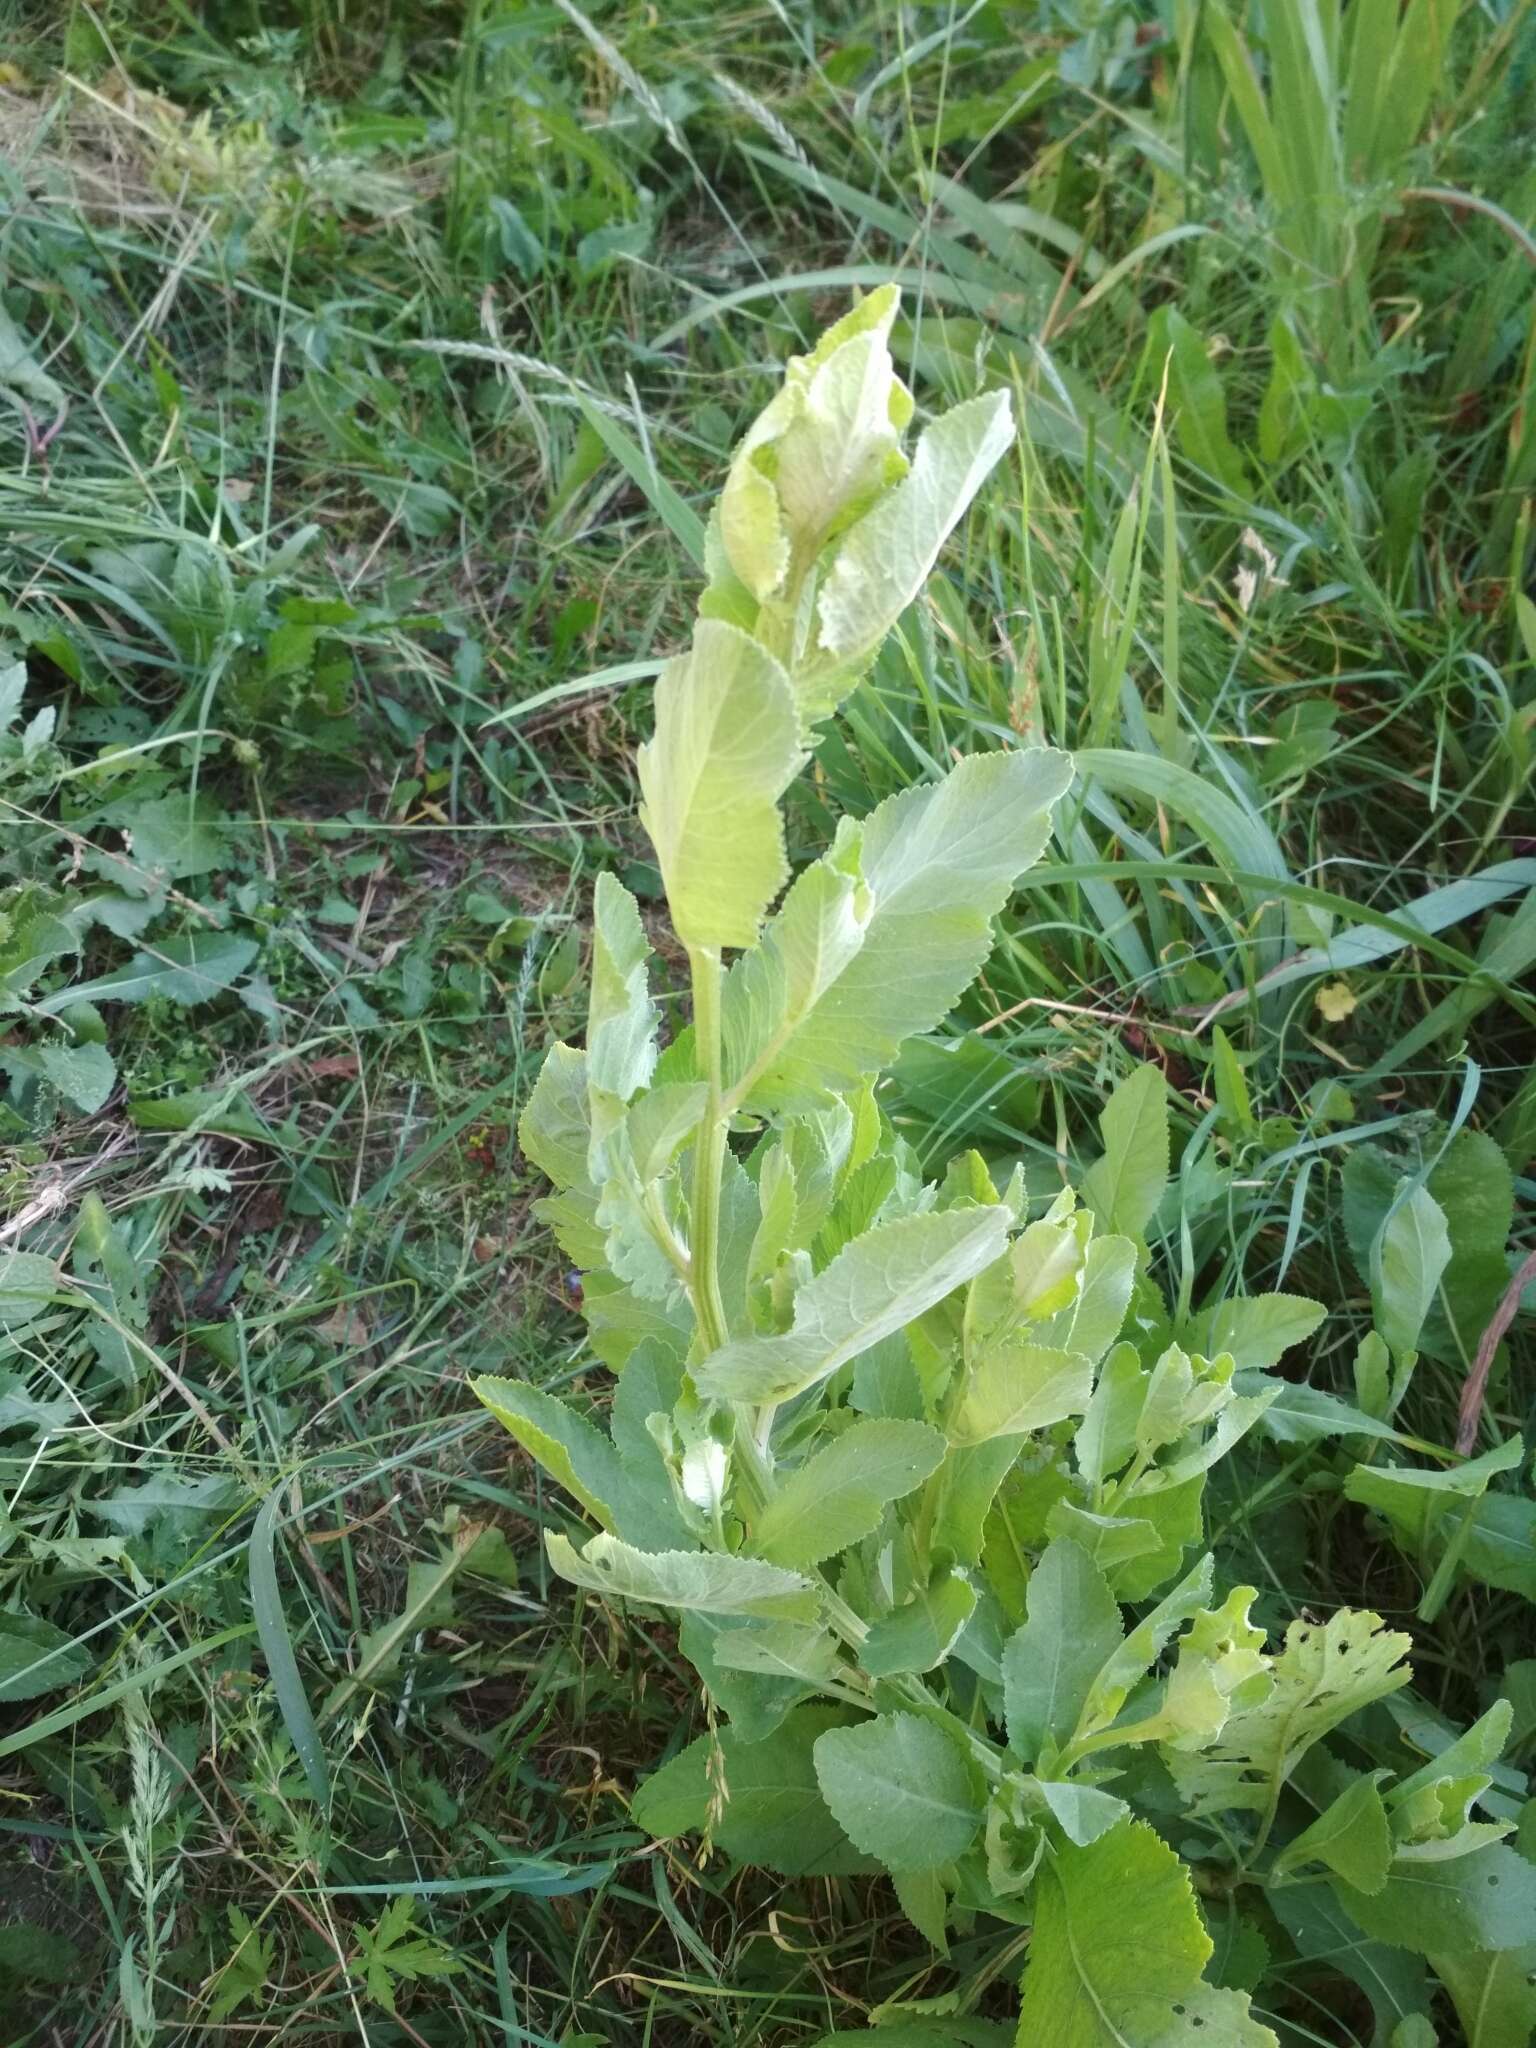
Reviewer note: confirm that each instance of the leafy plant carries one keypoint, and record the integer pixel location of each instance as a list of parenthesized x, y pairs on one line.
[(920, 1464)]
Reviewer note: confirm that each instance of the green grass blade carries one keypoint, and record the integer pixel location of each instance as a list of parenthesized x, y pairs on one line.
[(277, 1648)]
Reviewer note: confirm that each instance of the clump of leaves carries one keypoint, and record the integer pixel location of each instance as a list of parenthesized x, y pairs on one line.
[(921, 1470)]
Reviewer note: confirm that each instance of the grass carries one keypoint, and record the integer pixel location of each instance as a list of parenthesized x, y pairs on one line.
[(366, 379)]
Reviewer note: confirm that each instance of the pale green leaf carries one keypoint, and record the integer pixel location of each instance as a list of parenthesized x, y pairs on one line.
[(689, 1579), (577, 1454), (621, 1018), (1118, 1951), (780, 1649), (1110, 1540), (555, 1130), (1221, 1666), (754, 1701), (1015, 1386), (1106, 1436), (619, 1321), (752, 527), (1124, 1187), (922, 1897), (839, 1495), (919, 1635), (1129, 1661), (1324, 1673), (1305, 1415), (726, 747), (1051, 1664), (873, 1288), (821, 451), (878, 941), (1104, 1295), (1082, 1812), (885, 560), (660, 1122), (1475, 1749), (902, 1789), (1256, 1329)]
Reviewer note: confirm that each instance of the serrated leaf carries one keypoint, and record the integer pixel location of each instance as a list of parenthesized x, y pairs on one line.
[(1130, 1661), (878, 941), (902, 1790), (922, 1897), (919, 1635), (28, 1283), (1050, 1665), (768, 1810), (192, 968), (172, 837), (578, 1455), (133, 1510), (1016, 1386), (840, 1494), (621, 1018), (1304, 1415), (22, 1410), (689, 1579), (885, 560), (726, 747), (555, 1129), (874, 1287), (84, 1074), (1118, 1950), (1323, 1674), (1124, 1188), (1256, 1329)]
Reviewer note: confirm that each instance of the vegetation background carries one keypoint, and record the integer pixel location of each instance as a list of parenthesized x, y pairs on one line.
[(364, 372)]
